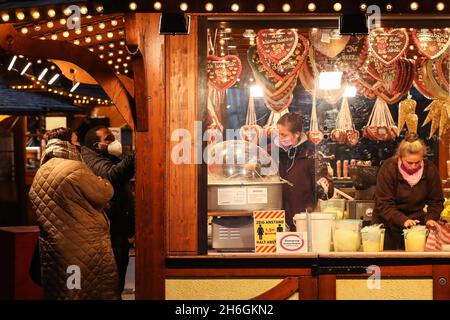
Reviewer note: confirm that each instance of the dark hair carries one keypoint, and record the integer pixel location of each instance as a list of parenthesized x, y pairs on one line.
[(293, 121), (91, 136), (64, 134)]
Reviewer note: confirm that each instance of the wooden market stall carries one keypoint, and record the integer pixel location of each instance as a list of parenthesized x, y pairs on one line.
[(169, 91)]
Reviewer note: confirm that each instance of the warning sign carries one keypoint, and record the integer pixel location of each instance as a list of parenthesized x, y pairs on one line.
[(267, 224)]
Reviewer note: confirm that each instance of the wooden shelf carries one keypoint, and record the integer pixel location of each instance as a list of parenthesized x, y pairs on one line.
[(230, 213)]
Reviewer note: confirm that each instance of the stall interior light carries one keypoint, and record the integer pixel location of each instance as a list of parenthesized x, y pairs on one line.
[(256, 91), (54, 78), (25, 68), (43, 73), (330, 80), (11, 64), (75, 86), (350, 91)]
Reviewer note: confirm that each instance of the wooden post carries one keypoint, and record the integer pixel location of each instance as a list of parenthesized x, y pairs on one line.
[(150, 158), (19, 131), (327, 287), (307, 288), (441, 282)]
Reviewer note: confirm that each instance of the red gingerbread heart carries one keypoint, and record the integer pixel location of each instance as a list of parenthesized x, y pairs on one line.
[(432, 43), (277, 45), (223, 72), (326, 43), (315, 136), (388, 45)]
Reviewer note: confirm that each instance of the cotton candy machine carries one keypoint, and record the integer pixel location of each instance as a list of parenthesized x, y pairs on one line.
[(242, 177)]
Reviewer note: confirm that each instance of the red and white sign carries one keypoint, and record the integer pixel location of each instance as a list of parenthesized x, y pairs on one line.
[(291, 242)]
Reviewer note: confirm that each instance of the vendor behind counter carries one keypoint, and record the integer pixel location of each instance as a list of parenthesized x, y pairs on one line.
[(406, 183)]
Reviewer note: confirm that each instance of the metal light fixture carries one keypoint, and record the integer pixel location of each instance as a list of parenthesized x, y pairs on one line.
[(54, 78), (43, 73), (25, 68), (11, 64)]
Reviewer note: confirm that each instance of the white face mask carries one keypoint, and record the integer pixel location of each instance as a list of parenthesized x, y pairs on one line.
[(115, 148)]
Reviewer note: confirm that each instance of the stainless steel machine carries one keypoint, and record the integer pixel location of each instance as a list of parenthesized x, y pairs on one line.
[(364, 181), (242, 178)]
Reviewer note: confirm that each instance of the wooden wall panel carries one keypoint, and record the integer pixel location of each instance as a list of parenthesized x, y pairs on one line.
[(181, 89)]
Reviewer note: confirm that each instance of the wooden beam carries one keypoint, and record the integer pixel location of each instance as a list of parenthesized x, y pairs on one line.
[(13, 42), (150, 159), (20, 129), (282, 291), (307, 288)]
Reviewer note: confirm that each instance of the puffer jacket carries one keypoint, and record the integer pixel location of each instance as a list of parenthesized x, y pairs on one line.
[(69, 200)]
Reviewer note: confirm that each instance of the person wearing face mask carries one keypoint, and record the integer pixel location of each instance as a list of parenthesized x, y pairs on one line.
[(405, 184), (302, 166), (69, 201), (103, 155)]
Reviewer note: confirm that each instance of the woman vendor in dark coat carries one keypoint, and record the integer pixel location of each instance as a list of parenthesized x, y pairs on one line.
[(405, 184), (302, 167)]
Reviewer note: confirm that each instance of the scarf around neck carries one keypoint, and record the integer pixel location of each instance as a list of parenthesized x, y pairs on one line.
[(414, 178), (57, 148)]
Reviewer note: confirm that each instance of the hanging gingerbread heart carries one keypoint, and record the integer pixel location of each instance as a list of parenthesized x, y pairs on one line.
[(258, 69), (420, 79), (328, 41), (223, 72), (278, 106), (277, 45), (291, 66), (432, 43), (348, 61), (315, 136), (388, 45), (443, 68)]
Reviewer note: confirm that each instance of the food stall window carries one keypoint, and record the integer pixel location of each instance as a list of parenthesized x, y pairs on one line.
[(356, 96)]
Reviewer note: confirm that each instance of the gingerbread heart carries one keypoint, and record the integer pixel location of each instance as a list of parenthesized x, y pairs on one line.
[(291, 66), (339, 136), (352, 137), (278, 106), (223, 72), (420, 79), (442, 67), (327, 41), (315, 136), (388, 45), (431, 43), (277, 45)]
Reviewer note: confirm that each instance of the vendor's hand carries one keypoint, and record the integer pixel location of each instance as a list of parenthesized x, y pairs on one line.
[(432, 224), (324, 181), (410, 223)]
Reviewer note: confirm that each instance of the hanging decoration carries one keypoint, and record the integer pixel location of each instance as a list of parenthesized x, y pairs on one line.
[(395, 79), (314, 134), (406, 113), (223, 72), (277, 45), (345, 132), (281, 53), (438, 115), (381, 126), (388, 45), (251, 131), (349, 60), (431, 43), (328, 41)]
